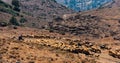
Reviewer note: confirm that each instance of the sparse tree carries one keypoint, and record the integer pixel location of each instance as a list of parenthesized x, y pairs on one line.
[(13, 21), (16, 5), (23, 20)]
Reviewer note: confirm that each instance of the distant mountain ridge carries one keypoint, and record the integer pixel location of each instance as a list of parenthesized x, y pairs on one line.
[(80, 5), (83, 5)]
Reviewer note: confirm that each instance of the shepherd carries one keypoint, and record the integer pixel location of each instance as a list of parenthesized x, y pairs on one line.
[(20, 38)]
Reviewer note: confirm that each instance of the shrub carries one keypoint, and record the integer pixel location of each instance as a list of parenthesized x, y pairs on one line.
[(23, 20), (4, 7), (13, 21), (15, 27), (15, 3), (33, 24), (10, 11), (58, 19), (16, 9), (51, 30), (62, 32), (3, 4)]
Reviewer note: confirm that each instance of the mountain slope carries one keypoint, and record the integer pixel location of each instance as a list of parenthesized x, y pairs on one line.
[(116, 3), (86, 37), (7, 1), (42, 46), (94, 23), (43, 9), (83, 5)]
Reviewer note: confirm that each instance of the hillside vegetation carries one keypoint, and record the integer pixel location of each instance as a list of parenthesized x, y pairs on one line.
[(4, 7), (43, 31)]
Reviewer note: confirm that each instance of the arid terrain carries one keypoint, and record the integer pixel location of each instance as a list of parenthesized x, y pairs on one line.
[(41, 46), (83, 37)]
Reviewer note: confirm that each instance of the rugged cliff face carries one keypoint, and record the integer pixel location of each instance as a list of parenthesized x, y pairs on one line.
[(82, 5)]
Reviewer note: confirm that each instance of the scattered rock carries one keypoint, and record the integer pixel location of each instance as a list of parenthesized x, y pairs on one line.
[(115, 53)]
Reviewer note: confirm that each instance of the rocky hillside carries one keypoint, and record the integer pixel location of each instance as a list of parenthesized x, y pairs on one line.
[(45, 10), (83, 5), (116, 3), (95, 23), (86, 37), (7, 1), (7, 12)]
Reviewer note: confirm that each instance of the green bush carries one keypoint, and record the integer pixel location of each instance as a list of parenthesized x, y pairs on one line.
[(23, 20), (16, 9), (51, 30), (33, 24), (15, 3), (62, 32), (3, 4), (13, 21), (4, 7), (10, 11)]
